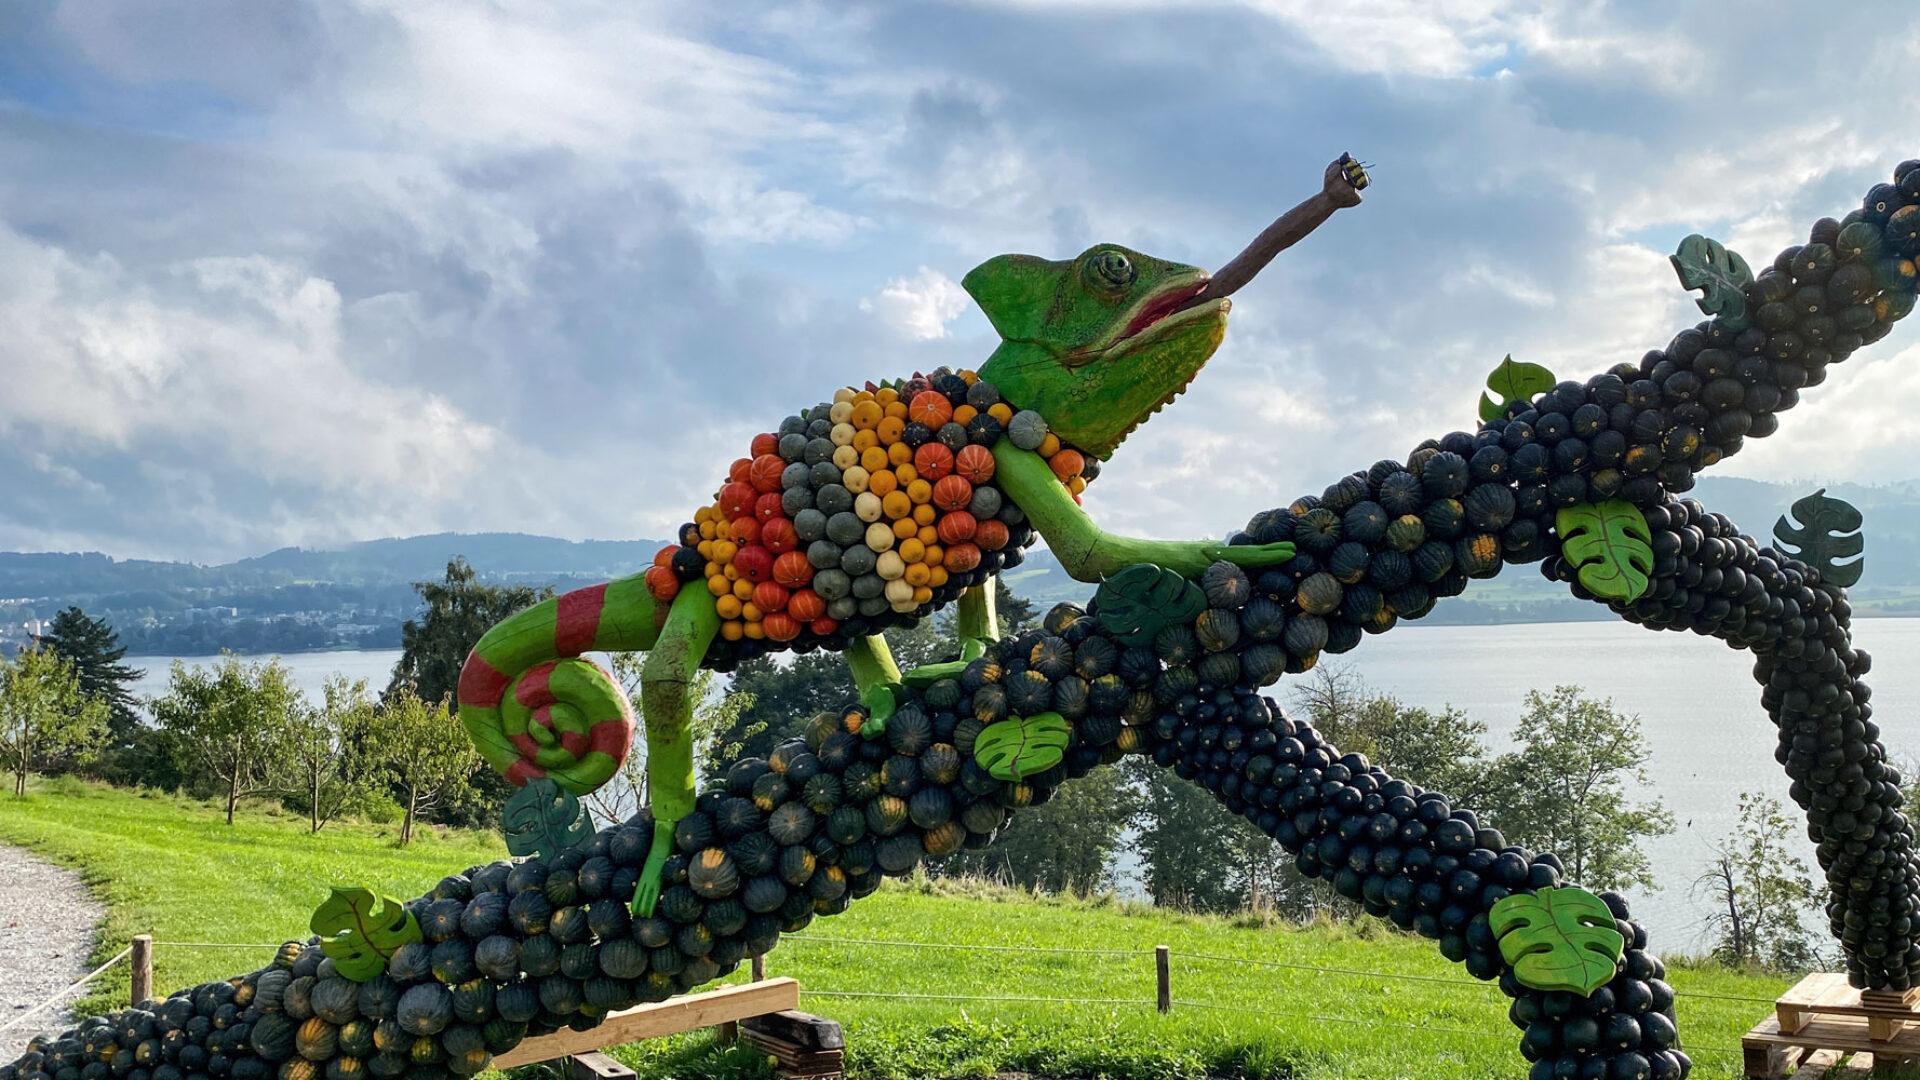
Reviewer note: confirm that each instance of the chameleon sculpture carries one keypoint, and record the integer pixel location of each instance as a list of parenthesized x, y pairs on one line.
[(1585, 479)]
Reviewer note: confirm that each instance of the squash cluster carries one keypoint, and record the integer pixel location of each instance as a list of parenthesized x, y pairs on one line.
[(861, 513)]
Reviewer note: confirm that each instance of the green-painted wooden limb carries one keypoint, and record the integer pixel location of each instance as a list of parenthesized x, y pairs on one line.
[(1828, 531), (646, 892), (1511, 382), (927, 674), (1089, 553), (1018, 747), (360, 931), (875, 675), (977, 622), (666, 707), (1610, 547), (544, 818), (1558, 939)]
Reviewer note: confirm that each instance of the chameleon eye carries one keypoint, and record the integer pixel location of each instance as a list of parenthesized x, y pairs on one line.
[(1112, 268)]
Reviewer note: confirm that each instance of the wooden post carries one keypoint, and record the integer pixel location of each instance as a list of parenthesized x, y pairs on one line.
[(142, 961), (759, 966), (1163, 975)]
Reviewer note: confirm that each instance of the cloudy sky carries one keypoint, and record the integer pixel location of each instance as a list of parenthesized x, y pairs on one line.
[(325, 270)]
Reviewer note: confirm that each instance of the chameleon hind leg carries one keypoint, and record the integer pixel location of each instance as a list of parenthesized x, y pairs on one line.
[(977, 627), (666, 709)]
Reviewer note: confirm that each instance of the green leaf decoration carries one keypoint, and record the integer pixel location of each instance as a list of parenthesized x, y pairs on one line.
[(1558, 939), (1511, 382), (360, 931), (1610, 545), (1018, 747), (546, 818), (1134, 604), (1829, 530), (1704, 264)]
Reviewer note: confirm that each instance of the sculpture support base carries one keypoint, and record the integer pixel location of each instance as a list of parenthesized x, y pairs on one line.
[(1823, 1025)]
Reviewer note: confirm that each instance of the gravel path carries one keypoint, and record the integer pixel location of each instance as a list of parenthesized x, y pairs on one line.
[(47, 919)]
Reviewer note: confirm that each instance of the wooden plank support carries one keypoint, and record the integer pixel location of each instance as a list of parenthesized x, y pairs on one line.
[(664, 1018), (803, 1046), (596, 1066)]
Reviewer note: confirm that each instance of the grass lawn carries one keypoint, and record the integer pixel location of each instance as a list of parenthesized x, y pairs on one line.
[(1357, 1002)]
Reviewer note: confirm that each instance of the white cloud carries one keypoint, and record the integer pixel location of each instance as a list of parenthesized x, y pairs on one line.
[(920, 306)]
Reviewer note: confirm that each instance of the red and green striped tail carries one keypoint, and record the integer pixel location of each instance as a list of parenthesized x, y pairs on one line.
[(535, 709)]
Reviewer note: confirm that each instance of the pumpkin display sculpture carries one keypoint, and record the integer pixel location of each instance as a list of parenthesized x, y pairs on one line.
[(875, 507)]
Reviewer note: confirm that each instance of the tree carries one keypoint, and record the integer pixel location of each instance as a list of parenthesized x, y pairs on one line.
[(1442, 751), (1064, 845), (1760, 890), (459, 609), (718, 735), (94, 650), (45, 716), (232, 722), (1565, 789), (1179, 843), (423, 752), (330, 751)]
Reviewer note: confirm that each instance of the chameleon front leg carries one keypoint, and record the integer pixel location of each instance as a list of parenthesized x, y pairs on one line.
[(1090, 553), (874, 675), (666, 707), (975, 624)]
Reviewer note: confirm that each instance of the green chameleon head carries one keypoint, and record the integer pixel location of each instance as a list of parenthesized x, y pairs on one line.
[(1098, 343)]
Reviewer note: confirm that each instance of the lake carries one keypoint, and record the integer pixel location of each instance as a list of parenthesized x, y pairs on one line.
[(1696, 699)]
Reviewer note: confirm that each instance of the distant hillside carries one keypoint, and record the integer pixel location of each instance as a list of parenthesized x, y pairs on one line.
[(356, 596)]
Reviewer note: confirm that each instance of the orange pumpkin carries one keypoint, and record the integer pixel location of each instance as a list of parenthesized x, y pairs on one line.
[(930, 407), (961, 557), (764, 473), (770, 596), (792, 569), (806, 605), (952, 492), (662, 584), (780, 626), (955, 527), (765, 443), (975, 462), (991, 535), (932, 461)]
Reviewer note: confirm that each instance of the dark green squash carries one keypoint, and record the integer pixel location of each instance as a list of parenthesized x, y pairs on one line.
[(485, 914), (1070, 699), (297, 1001), (1217, 629), (899, 776), (1095, 657), (1489, 507), (335, 1000), (944, 694), (940, 764), (680, 904), (797, 865), (941, 840), (822, 793), (712, 875), (1050, 657), (1406, 533), (1263, 664), (1226, 585), (838, 751), (1478, 555), (316, 1040), (770, 791), (425, 1009), (792, 823), (390, 1037), (763, 894), (909, 731), (1444, 518), (297, 1068), (1433, 559), (529, 912), (453, 961), (539, 955), (272, 1036), (560, 995), (693, 939), (1029, 693), (930, 807), (345, 1067), (754, 853), (846, 825), (886, 814), (1218, 669), (898, 855), (725, 918), (502, 1035), (1348, 563), (1319, 594), (785, 754), (609, 918), (990, 703), (473, 1001), (356, 1038), (497, 957), (859, 783)]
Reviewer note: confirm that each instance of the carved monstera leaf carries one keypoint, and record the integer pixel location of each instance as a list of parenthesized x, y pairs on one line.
[(1510, 382), (1704, 264), (1134, 604), (1609, 545), (361, 931), (1829, 530), (546, 818), (1021, 746), (1558, 939)]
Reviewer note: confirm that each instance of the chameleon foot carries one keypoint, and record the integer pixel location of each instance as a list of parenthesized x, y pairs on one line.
[(646, 892), (1251, 556), (920, 678), (879, 702)]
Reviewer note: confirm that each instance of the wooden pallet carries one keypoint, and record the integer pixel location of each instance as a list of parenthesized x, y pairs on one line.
[(1828, 994), (1824, 1027)]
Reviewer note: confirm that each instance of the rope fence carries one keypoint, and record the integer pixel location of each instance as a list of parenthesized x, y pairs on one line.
[(61, 995), (140, 951)]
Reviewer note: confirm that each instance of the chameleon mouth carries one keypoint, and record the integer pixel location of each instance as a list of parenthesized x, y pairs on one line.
[(1160, 307)]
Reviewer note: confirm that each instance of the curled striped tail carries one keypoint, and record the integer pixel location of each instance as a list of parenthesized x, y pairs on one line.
[(535, 708)]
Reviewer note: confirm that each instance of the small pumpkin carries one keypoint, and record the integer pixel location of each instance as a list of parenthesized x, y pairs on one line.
[(941, 840), (909, 731), (1263, 664), (1028, 693), (899, 776), (680, 904), (539, 955), (754, 853), (1433, 560), (764, 894), (1070, 698), (1217, 629), (1444, 518), (1348, 563), (317, 1040), (898, 855), (335, 1000), (272, 1036), (930, 807), (822, 793), (425, 1009), (792, 822), (797, 865), (712, 876), (1319, 594)]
